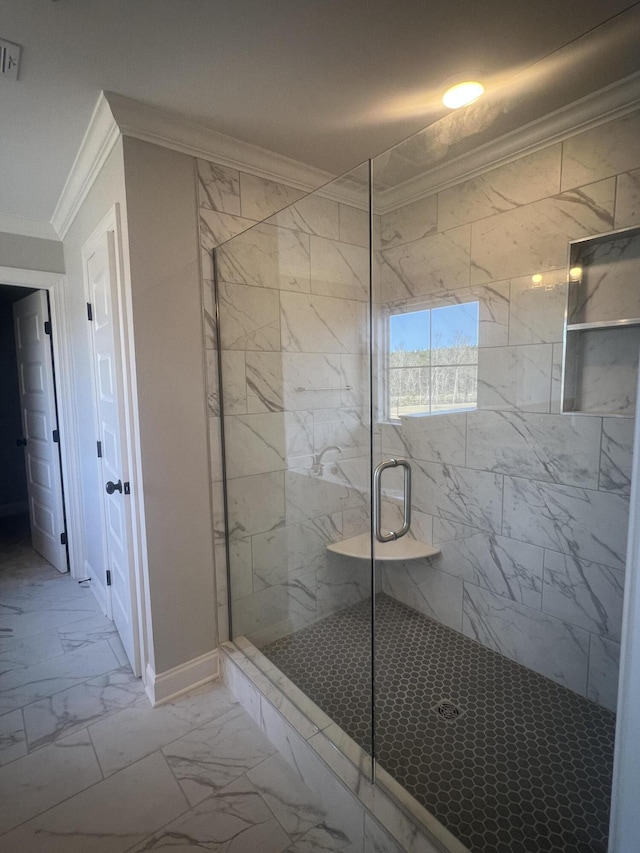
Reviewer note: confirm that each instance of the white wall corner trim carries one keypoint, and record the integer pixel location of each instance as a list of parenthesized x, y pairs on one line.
[(605, 105), (151, 124), (27, 227), (98, 141), (187, 676)]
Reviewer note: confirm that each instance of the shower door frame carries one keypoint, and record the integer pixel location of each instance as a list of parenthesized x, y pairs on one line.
[(372, 478), (223, 446)]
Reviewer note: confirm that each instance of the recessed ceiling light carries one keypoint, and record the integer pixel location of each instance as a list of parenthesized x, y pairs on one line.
[(462, 94)]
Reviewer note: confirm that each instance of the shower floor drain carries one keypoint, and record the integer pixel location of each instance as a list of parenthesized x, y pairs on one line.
[(448, 711)]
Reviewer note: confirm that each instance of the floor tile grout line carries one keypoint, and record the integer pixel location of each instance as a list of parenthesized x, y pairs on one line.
[(44, 811), (166, 745), (168, 763), (40, 590), (110, 714), (28, 637), (56, 658), (57, 692), (24, 731), (50, 658), (160, 829), (25, 638), (260, 794), (178, 785), (83, 791), (18, 757), (83, 724), (91, 612), (95, 752), (180, 737), (57, 629), (258, 790), (200, 724)]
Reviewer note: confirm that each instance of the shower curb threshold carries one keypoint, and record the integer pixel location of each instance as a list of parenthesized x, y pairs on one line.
[(331, 764)]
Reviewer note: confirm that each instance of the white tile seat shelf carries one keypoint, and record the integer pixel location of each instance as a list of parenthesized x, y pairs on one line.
[(359, 547)]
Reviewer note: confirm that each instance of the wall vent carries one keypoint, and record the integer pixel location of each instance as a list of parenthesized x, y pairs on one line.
[(9, 60)]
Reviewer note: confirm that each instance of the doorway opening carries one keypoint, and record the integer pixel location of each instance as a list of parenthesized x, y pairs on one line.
[(33, 527)]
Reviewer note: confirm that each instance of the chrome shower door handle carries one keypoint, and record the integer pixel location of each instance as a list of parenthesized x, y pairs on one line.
[(377, 500), (406, 509)]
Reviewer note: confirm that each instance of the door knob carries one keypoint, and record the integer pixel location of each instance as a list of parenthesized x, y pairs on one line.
[(114, 487), (21, 442)]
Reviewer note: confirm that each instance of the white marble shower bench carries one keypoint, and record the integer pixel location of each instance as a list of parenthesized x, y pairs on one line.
[(359, 547)]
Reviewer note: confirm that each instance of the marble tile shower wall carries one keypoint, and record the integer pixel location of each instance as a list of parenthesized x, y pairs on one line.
[(293, 302), (529, 506)]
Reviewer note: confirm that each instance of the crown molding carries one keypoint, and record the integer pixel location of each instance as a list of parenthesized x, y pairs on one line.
[(115, 116), (27, 227), (102, 134), (151, 124), (598, 108)]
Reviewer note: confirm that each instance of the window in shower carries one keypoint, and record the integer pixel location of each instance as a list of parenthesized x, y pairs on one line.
[(432, 360)]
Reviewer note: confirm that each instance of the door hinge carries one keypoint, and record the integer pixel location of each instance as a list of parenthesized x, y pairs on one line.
[(63, 538), (56, 436), (99, 443), (127, 489), (89, 311), (108, 577), (47, 327)]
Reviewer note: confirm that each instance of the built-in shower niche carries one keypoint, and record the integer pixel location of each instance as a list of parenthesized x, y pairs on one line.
[(602, 326)]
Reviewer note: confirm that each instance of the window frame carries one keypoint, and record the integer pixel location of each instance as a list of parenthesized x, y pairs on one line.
[(385, 367)]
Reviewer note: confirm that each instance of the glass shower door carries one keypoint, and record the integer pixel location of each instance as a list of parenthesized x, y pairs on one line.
[(505, 378), (294, 307)]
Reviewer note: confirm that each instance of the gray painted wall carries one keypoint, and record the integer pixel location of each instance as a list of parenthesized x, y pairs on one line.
[(169, 346), (31, 253)]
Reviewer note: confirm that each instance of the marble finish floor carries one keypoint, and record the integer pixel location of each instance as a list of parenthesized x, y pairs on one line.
[(508, 760), (87, 766)]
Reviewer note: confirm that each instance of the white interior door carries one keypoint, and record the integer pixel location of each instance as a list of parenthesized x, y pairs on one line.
[(38, 405), (101, 277)]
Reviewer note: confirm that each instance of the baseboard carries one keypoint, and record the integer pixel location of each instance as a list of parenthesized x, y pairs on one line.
[(19, 508), (172, 683)]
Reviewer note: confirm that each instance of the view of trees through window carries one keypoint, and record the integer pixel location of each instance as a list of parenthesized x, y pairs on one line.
[(433, 360)]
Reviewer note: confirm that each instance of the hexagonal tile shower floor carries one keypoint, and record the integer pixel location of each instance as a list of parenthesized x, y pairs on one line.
[(507, 760)]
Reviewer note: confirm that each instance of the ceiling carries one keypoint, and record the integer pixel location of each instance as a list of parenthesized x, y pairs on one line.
[(326, 82)]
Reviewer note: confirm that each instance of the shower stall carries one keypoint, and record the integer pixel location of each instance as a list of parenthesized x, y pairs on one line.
[(428, 372)]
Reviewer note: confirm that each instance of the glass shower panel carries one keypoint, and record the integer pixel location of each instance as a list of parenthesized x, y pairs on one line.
[(490, 673), (459, 354), (294, 335)]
